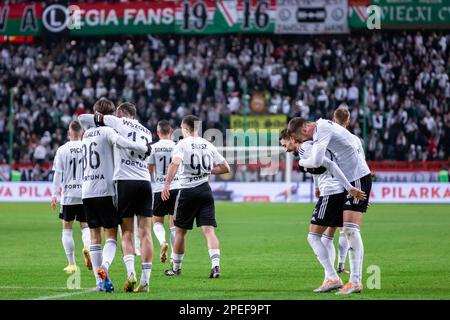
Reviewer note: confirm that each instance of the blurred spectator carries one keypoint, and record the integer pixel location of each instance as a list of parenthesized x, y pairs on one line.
[(404, 77)]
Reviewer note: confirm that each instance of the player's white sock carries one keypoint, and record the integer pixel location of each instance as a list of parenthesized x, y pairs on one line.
[(356, 251), (160, 232), (321, 252), (146, 273), (177, 261), (95, 251), (329, 245), (343, 249), (215, 257), (129, 264), (86, 237), (69, 245), (109, 251), (172, 239)]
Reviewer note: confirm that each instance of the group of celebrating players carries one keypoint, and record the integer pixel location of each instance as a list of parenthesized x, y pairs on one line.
[(104, 175), (335, 158)]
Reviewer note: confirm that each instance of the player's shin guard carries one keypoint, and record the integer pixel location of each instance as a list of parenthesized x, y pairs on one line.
[(343, 248), (214, 254), (137, 242), (128, 260), (146, 273), (177, 261), (69, 245), (86, 237), (327, 241), (356, 251), (172, 239), (109, 251), (160, 232), (321, 252), (96, 258)]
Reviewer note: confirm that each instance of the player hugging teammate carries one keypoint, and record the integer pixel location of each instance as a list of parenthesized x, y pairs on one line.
[(335, 157), (111, 167)]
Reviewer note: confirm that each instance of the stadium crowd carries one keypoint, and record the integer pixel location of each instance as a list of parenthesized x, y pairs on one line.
[(401, 77)]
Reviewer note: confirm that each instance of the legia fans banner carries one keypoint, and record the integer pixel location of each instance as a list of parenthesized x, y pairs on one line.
[(21, 19), (180, 17)]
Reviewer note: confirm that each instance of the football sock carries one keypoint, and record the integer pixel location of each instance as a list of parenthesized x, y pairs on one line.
[(69, 245), (177, 261), (356, 251), (109, 251), (146, 272), (329, 245), (343, 249), (86, 237), (321, 252), (96, 258), (215, 257), (172, 239), (129, 264), (160, 232)]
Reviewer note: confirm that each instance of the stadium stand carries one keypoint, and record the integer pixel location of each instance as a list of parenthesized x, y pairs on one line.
[(405, 76)]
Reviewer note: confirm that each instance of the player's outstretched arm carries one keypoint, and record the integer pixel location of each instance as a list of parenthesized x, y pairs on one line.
[(221, 168), (123, 143), (336, 172), (98, 120), (317, 157), (86, 120), (334, 169), (115, 139), (171, 172)]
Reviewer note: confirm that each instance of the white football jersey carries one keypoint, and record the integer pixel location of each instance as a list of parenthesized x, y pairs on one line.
[(129, 164), (161, 157), (68, 162), (327, 184), (362, 155), (347, 153), (198, 157), (98, 162)]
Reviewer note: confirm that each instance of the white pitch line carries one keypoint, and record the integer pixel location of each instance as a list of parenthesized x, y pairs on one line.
[(57, 296), (35, 288)]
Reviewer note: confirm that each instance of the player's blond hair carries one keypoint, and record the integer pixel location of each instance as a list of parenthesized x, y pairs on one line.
[(341, 116), (104, 107)]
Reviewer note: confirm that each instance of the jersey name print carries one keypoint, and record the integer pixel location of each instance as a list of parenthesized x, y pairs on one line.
[(198, 157), (129, 164), (161, 157), (68, 162)]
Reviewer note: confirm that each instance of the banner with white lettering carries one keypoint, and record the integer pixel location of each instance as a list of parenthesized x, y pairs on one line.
[(302, 192), (311, 17)]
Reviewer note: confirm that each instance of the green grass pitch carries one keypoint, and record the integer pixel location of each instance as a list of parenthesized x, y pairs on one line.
[(264, 255)]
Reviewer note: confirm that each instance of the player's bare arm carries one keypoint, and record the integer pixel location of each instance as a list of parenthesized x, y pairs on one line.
[(171, 172), (98, 120), (221, 168)]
